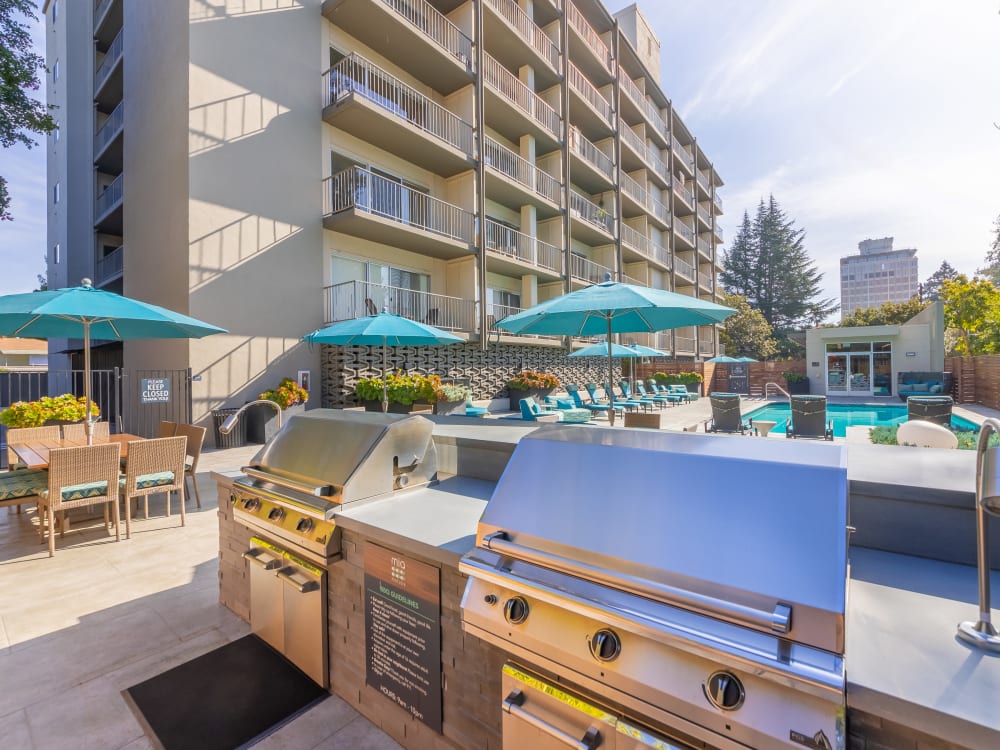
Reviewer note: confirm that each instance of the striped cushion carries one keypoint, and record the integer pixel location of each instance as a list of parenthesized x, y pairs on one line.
[(145, 481), (81, 491), (23, 483)]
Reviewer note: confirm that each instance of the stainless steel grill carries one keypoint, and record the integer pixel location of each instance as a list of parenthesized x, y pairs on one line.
[(688, 585)]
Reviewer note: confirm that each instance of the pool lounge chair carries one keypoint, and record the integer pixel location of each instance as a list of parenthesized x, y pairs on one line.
[(678, 394), (568, 412), (661, 400), (726, 415), (623, 391), (574, 393), (532, 412), (936, 409), (624, 403), (808, 419)]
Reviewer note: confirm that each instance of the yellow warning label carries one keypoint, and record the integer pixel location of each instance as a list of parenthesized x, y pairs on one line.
[(559, 695)]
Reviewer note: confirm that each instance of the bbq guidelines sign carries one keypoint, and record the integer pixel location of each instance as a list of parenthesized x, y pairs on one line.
[(154, 390)]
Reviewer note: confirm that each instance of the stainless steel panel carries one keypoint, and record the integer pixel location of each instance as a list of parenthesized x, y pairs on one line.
[(266, 609), (306, 643)]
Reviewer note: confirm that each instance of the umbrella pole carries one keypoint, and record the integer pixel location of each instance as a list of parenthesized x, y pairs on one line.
[(611, 376), (385, 385), (89, 428)]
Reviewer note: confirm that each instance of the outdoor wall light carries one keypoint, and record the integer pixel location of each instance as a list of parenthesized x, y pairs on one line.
[(982, 633)]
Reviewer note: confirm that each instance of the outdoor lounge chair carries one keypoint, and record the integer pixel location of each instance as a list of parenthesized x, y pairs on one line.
[(675, 396), (661, 400), (574, 393), (726, 415), (532, 412), (680, 391), (625, 404), (568, 411), (936, 409), (625, 396), (808, 418)]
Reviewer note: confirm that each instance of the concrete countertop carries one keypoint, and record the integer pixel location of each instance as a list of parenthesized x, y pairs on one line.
[(904, 662)]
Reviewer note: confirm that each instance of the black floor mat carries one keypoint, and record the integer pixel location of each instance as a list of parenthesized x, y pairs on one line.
[(225, 698)]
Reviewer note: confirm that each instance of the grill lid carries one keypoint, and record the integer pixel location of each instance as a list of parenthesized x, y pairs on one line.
[(750, 531)]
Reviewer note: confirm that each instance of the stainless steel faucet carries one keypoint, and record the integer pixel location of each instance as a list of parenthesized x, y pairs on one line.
[(226, 427)]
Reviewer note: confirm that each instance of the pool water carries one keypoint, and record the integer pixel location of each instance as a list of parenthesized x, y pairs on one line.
[(849, 415)]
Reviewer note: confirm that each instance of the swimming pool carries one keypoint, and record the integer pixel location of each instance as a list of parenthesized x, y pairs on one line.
[(849, 415)]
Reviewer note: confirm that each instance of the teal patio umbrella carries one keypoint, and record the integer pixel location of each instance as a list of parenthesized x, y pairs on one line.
[(383, 329), (83, 312), (724, 360), (746, 359), (614, 307)]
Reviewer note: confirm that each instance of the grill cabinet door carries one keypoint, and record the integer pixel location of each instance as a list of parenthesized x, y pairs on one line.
[(305, 619), (266, 611)]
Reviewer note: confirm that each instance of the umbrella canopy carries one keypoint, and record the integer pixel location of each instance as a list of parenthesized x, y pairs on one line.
[(600, 349), (88, 313), (647, 351), (614, 307), (383, 329), (724, 360), (746, 359)]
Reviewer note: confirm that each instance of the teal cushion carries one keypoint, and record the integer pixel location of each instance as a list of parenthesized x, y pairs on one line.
[(23, 483), (145, 481), (935, 388), (82, 491), (919, 387)]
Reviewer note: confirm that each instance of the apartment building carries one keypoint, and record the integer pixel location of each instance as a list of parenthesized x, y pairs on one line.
[(274, 165), (878, 274)]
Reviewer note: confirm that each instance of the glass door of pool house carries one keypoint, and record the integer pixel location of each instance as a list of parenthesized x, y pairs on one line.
[(849, 369)]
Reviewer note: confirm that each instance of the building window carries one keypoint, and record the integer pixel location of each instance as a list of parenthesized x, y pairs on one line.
[(55, 71), (55, 254), (55, 193)]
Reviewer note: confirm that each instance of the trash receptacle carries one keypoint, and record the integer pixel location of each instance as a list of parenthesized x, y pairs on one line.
[(235, 439)]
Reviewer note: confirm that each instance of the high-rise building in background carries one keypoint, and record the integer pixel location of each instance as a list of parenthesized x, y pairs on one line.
[(273, 169), (878, 275)]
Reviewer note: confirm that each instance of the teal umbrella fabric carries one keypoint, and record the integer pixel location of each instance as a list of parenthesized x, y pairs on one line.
[(87, 313), (647, 351), (724, 360), (746, 359), (383, 329), (600, 349)]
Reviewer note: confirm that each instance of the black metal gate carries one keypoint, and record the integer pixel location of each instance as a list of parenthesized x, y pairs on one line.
[(739, 382), (119, 394)]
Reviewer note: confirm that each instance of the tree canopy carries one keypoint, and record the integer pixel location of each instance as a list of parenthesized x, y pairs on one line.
[(747, 333), (992, 269), (768, 265), (932, 287), (972, 308), (888, 313), (20, 115)]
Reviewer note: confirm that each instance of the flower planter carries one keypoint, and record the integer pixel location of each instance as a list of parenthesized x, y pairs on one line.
[(450, 408), (394, 408), (801, 388), (539, 394), (262, 421)]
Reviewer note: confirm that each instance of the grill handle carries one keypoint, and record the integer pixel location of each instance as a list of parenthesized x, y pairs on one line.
[(513, 706), (318, 490), (262, 558), (778, 620)]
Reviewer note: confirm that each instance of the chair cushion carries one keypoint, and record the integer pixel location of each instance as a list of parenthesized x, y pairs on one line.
[(919, 387), (23, 483), (145, 481), (81, 491)]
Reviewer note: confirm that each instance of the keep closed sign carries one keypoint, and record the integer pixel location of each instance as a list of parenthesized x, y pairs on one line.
[(154, 390)]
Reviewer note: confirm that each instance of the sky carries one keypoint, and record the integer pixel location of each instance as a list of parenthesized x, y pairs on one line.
[(864, 119)]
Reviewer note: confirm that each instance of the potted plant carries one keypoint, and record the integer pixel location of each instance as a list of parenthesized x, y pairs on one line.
[(403, 391), (452, 398), (796, 383), (537, 385), (64, 409), (262, 422)]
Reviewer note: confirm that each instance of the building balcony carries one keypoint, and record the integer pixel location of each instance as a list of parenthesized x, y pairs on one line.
[(598, 61), (683, 155), (364, 100), (704, 185), (684, 344), (366, 205), (635, 104), (706, 347), (108, 152), (356, 299), (686, 197), (592, 224), (411, 33), (515, 109), (511, 32), (514, 253), (108, 207), (515, 181), (706, 282), (684, 270), (717, 200), (659, 340), (588, 108), (585, 271), (705, 249), (637, 246), (638, 155), (592, 169), (717, 231), (685, 235), (108, 76), (109, 268), (634, 195), (107, 20), (704, 218)]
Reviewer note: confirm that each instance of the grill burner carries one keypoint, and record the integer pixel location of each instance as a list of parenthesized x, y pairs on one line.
[(693, 584)]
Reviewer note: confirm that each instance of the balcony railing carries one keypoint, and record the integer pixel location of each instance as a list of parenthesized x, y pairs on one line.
[(590, 212), (112, 56), (501, 159), (705, 247), (684, 343), (631, 187), (645, 152), (528, 30), (683, 268), (703, 182), (515, 244), (356, 75), (511, 88), (705, 281), (636, 240), (659, 210), (591, 153), (718, 230), (706, 347), (684, 231), (435, 25), (109, 197), (683, 152), (589, 92), (590, 37), (648, 108), (705, 216), (355, 299), (356, 187), (109, 128), (717, 200), (110, 266), (587, 270), (633, 280), (100, 8), (684, 193)]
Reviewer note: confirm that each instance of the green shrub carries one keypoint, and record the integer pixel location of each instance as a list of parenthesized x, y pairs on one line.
[(794, 377), (967, 439), (287, 393), (677, 378), (408, 389), (528, 380), (64, 408)]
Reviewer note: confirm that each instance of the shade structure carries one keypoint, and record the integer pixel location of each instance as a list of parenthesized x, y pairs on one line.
[(600, 349), (647, 351), (614, 307), (385, 330), (87, 313), (746, 359), (724, 360)]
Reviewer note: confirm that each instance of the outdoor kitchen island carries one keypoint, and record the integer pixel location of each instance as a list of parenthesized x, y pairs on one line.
[(907, 679)]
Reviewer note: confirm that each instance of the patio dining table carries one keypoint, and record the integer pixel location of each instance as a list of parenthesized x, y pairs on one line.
[(35, 455)]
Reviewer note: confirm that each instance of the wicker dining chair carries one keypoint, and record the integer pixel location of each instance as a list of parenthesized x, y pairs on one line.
[(87, 475), (167, 429), (27, 435), (153, 466), (78, 431), (195, 440)]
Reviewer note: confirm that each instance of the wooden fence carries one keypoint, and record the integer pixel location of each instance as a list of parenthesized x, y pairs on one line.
[(977, 379), (716, 376)]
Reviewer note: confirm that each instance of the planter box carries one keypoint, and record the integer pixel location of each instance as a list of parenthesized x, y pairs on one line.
[(538, 394), (262, 421), (400, 408), (798, 389), (450, 408)]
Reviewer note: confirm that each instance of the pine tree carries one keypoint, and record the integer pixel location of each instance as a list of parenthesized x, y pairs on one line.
[(932, 287), (992, 269), (738, 263)]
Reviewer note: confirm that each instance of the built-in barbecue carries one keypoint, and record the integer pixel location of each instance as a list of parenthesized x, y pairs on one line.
[(289, 496), (665, 590)]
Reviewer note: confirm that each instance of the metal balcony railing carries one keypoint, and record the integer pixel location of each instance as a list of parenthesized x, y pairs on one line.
[(355, 299), (684, 231), (100, 8), (109, 197), (501, 159), (705, 247), (587, 270), (684, 343), (683, 152), (649, 109), (705, 281), (434, 24), (112, 56), (717, 230), (109, 128), (633, 280), (659, 210), (704, 182), (717, 200), (514, 244), (590, 212), (705, 216), (636, 240), (631, 187), (662, 255), (110, 266), (706, 347), (591, 153), (684, 193), (588, 91), (590, 37), (356, 187), (528, 30), (505, 83), (649, 155), (683, 268), (356, 75)]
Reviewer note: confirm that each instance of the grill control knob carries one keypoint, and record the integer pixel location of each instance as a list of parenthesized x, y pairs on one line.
[(276, 514), (251, 504), (304, 526), (515, 610), (724, 690), (490, 599), (605, 645)]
